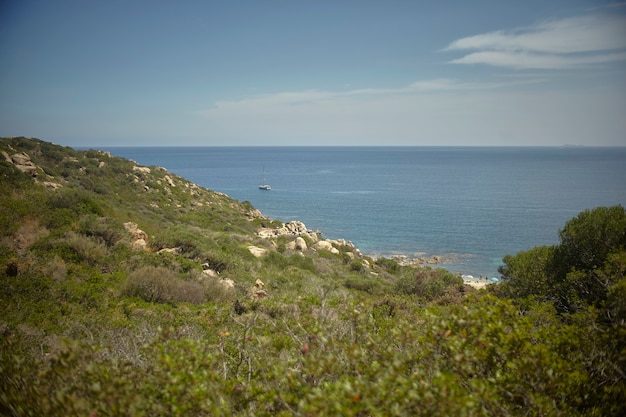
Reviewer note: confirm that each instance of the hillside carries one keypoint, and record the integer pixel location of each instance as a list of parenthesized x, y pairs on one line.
[(128, 290)]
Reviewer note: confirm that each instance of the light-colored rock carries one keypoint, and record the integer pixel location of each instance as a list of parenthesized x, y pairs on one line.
[(101, 164), (210, 273), (53, 185), (258, 291), (300, 244), (323, 244), (257, 251), (23, 163), (144, 170), (139, 236), (227, 283), (174, 251), (326, 245), (294, 228), (139, 244), (169, 180)]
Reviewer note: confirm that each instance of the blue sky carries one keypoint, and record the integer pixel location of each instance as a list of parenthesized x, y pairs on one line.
[(87, 73)]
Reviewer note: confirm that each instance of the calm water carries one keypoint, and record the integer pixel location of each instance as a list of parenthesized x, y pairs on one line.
[(470, 205)]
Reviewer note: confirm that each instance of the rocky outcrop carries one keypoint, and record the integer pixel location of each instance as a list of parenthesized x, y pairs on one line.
[(257, 251), (22, 162), (258, 291), (143, 170), (298, 244), (408, 261), (293, 228), (139, 237)]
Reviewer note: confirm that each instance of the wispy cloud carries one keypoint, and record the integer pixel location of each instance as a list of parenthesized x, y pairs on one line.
[(563, 43), (307, 97)]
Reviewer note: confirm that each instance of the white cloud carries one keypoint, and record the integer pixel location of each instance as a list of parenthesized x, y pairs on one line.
[(308, 97), (428, 112), (563, 43), (528, 60)]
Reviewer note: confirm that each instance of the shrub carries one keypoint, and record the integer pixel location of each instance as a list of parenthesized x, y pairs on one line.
[(427, 283), (162, 285)]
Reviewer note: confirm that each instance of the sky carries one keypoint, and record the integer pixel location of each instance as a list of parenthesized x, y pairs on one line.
[(295, 72)]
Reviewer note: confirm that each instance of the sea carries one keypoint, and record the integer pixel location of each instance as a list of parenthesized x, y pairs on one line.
[(469, 205)]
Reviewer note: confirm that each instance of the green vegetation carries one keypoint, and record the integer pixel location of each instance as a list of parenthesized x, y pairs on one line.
[(127, 290)]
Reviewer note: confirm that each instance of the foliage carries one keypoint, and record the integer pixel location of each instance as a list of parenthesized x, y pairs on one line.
[(427, 283), (162, 285), (91, 326)]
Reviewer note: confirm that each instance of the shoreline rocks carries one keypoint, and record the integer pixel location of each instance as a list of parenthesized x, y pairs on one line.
[(299, 231), (405, 260), (293, 228)]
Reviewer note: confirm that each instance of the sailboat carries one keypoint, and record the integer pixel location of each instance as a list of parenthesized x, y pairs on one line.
[(264, 185)]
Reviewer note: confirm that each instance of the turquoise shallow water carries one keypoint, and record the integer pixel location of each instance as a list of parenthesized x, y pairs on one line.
[(471, 205)]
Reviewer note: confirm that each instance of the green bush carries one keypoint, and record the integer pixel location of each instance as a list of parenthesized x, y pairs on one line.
[(161, 285), (427, 283)]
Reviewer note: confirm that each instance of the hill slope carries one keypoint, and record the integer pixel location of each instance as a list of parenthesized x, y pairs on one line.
[(127, 290)]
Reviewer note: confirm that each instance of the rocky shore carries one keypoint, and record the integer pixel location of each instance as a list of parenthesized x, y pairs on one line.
[(301, 235), (298, 229)]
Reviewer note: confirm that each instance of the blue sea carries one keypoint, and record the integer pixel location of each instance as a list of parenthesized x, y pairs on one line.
[(469, 205)]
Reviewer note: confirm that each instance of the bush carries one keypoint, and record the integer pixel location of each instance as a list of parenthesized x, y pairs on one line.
[(427, 283), (162, 285)]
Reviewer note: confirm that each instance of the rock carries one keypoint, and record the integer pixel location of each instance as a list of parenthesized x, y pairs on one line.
[(7, 157), (301, 244), (23, 163), (256, 251), (52, 185), (323, 244), (174, 251), (228, 283), (139, 236), (294, 228), (210, 273), (258, 291), (139, 244), (144, 170), (169, 180), (101, 164)]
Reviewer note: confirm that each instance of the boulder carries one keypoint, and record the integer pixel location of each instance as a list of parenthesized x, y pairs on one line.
[(227, 283), (144, 170), (174, 251), (258, 291), (256, 251), (139, 236), (169, 180), (300, 244), (53, 185), (323, 244), (139, 244), (23, 163), (293, 228)]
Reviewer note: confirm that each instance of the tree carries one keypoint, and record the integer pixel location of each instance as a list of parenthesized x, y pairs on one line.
[(584, 268), (525, 274), (587, 239)]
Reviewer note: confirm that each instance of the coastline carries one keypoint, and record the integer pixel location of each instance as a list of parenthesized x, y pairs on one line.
[(298, 229)]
